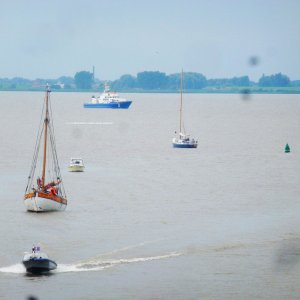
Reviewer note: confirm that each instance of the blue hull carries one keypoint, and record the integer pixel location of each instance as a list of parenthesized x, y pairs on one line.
[(37, 266), (124, 105), (184, 145)]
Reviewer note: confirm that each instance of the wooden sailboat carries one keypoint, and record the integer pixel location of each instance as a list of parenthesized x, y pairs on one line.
[(45, 191), (183, 140)]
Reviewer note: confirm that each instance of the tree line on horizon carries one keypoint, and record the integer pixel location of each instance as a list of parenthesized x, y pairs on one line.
[(146, 81)]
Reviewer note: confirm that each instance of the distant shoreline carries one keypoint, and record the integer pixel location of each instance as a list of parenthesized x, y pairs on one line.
[(206, 90)]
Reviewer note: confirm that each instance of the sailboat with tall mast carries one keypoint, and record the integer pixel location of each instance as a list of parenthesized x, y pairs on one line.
[(183, 140), (45, 190)]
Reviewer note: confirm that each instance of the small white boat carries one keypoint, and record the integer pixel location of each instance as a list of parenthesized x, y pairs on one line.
[(76, 165), (38, 262)]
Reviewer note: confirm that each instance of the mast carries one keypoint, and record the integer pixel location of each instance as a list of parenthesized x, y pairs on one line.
[(180, 120), (46, 121)]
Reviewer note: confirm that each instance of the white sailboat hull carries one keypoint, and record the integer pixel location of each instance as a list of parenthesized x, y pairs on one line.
[(39, 204), (184, 142)]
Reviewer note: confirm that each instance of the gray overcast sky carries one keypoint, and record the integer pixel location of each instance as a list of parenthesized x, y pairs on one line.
[(48, 39)]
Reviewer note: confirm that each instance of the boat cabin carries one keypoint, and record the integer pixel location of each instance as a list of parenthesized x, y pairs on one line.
[(76, 162)]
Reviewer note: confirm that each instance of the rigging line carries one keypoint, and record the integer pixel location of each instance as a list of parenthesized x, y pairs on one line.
[(53, 162), (38, 147), (40, 127), (183, 127), (59, 177), (51, 125), (34, 163), (52, 168), (48, 169), (33, 166), (53, 152), (55, 156), (36, 150)]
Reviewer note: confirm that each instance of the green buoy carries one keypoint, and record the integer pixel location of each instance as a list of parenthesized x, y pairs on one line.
[(287, 148)]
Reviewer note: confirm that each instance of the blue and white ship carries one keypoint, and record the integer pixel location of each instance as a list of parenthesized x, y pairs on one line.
[(108, 99)]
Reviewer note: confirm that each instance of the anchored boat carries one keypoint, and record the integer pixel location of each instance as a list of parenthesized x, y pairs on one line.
[(76, 165), (183, 140), (38, 262), (45, 190), (108, 99)]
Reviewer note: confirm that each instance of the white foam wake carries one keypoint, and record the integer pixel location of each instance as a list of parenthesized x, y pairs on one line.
[(124, 249), (97, 265), (15, 269)]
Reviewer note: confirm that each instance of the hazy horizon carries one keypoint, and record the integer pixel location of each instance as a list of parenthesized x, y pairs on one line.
[(215, 38)]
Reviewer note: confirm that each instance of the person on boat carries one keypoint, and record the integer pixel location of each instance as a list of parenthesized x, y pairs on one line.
[(39, 182), (33, 249), (53, 191), (51, 184)]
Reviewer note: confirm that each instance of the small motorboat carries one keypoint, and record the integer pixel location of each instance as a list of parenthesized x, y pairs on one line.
[(76, 165), (38, 262)]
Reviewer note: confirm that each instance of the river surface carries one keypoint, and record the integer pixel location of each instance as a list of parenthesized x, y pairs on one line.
[(145, 220)]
